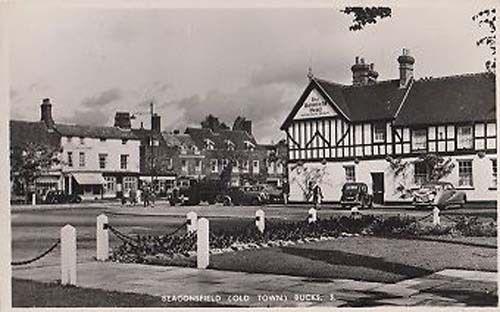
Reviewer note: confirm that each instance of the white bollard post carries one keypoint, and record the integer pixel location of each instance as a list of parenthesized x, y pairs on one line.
[(68, 255), (192, 222), (102, 238), (436, 220), (33, 199), (202, 244), (312, 215), (260, 220)]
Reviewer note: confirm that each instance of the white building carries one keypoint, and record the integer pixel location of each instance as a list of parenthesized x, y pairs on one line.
[(339, 133), (97, 162)]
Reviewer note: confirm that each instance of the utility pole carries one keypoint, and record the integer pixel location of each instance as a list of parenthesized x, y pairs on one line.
[(151, 141)]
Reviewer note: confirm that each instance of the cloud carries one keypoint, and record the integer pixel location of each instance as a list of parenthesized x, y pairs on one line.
[(102, 99), (88, 118)]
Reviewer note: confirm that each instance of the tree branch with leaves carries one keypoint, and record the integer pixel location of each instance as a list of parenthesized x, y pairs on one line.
[(488, 19)]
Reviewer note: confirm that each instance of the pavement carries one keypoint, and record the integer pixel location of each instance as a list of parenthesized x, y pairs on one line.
[(444, 288)]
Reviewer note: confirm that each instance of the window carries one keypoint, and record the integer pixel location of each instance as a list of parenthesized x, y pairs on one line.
[(270, 166), (209, 145), (198, 166), (102, 161), (184, 165), (214, 165), (279, 168), (236, 167), (419, 139), (69, 139), (82, 140), (249, 145), (225, 162), (129, 183), (81, 159), (109, 186), (170, 163), (378, 133), (183, 149), (494, 172), (464, 137), (124, 141), (70, 159), (230, 145), (420, 173), (246, 166), (255, 167), (465, 173), (102, 139), (124, 161), (350, 173)]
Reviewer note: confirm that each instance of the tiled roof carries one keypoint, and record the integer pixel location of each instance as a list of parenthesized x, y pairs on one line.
[(454, 99), (176, 140), (23, 132), (95, 132), (238, 137)]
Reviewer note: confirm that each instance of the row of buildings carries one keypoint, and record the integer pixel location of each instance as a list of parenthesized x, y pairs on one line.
[(379, 132), (106, 162)]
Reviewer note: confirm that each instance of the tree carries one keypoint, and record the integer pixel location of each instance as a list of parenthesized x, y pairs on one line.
[(31, 161), (488, 17), (366, 15), (306, 177), (437, 167), (213, 123)]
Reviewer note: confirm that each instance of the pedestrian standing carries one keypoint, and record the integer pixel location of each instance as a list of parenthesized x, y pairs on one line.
[(317, 196), (286, 191), (132, 196)]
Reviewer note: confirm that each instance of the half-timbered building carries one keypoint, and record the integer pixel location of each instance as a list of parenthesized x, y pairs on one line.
[(339, 133)]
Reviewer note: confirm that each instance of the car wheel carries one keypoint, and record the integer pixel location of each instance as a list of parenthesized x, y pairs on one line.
[(462, 205), (78, 199), (227, 201)]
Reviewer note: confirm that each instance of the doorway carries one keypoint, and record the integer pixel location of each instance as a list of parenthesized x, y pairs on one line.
[(378, 187)]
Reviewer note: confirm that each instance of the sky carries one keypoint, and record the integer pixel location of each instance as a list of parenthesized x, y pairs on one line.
[(92, 62)]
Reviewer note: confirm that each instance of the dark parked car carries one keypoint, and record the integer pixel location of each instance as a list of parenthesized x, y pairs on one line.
[(356, 194), (59, 197), (248, 195), (438, 194)]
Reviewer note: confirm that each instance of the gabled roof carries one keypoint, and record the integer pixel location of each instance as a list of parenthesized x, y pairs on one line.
[(23, 132), (453, 99), (95, 132)]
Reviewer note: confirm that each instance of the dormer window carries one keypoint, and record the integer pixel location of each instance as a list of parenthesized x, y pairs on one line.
[(249, 145), (209, 144), (230, 145), (194, 149), (183, 149)]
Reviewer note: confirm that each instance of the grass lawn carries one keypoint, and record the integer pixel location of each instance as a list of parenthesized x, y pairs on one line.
[(360, 258), (35, 294)]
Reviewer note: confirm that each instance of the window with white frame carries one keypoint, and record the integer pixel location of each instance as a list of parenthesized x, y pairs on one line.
[(350, 173), (214, 165), (184, 165), (236, 167), (270, 166), (110, 185), (378, 133), (494, 172), (229, 145), (170, 163), (209, 144), (420, 173), (465, 173), (199, 165), (464, 137), (255, 167), (279, 168), (124, 161), (225, 162), (81, 159), (246, 166), (129, 183), (70, 159), (102, 161), (419, 140), (249, 145)]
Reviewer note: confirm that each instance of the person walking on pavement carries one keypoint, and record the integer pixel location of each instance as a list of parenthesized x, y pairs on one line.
[(317, 196), (132, 196), (286, 191)]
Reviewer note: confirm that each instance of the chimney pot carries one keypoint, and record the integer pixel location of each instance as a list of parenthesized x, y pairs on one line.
[(46, 113), (156, 123), (406, 62)]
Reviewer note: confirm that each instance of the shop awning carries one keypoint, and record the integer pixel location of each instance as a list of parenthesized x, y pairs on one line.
[(89, 178)]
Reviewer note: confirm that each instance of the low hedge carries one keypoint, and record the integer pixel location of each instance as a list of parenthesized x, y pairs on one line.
[(178, 249)]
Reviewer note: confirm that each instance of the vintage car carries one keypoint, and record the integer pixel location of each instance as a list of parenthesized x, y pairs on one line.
[(438, 194), (59, 197), (247, 195), (356, 194)]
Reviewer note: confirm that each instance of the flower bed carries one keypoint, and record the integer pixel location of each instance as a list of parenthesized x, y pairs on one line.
[(180, 249)]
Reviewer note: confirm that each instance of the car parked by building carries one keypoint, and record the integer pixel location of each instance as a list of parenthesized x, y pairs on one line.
[(60, 197), (356, 194), (247, 195), (438, 194)]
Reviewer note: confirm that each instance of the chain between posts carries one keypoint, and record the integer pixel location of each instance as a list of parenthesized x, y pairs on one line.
[(14, 263)]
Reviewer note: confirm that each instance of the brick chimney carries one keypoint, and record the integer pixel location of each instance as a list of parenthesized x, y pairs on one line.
[(46, 113), (406, 62), (372, 74), (242, 124), (360, 72), (122, 120), (156, 123)]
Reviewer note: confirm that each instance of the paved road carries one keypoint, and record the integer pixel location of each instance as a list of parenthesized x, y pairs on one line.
[(34, 230)]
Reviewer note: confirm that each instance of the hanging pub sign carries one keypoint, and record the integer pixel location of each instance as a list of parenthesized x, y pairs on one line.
[(315, 106)]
